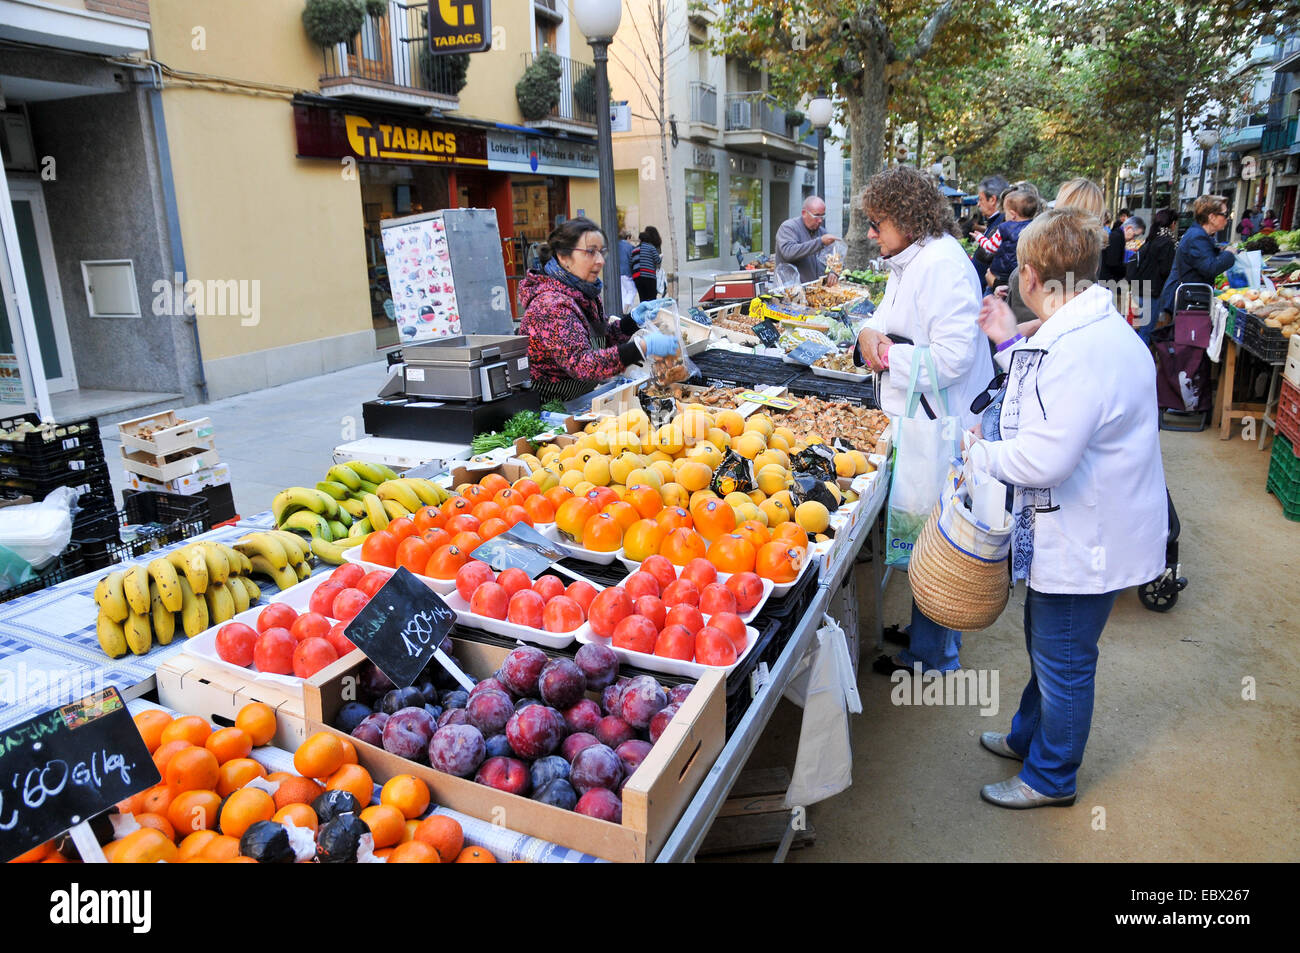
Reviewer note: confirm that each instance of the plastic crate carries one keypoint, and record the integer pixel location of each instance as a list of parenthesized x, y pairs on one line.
[(1287, 422), (156, 519), (1284, 462), (93, 479), (771, 640), (1288, 496), (1267, 344), (49, 468), (69, 565), (69, 436)]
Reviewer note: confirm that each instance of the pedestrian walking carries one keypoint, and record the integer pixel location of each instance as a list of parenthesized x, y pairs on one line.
[(1149, 269), (645, 269)]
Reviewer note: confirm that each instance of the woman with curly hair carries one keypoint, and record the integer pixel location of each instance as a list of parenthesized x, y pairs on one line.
[(932, 299)]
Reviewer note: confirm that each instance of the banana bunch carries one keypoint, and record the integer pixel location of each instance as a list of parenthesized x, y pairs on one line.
[(205, 583), (355, 499), (279, 554)]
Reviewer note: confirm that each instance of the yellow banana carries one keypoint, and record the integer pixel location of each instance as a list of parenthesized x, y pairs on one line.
[(332, 552), (193, 565), (309, 523), (250, 587), (303, 569), (332, 488), (139, 637), (282, 576), (358, 531), (266, 545), (295, 547), (221, 605), (194, 610), (375, 510), (355, 508), (217, 563), (345, 475), (111, 598), (238, 593), (135, 584), (396, 510), (369, 472), (430, 493), (112, 637), (239, 565), (167, 583), (400, 492), (164, 621), (301, 498)]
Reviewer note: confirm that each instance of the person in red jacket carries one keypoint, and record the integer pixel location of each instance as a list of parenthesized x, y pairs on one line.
[(572, 345)]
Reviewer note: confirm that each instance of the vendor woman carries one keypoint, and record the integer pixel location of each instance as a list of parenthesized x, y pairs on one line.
[(572, 346)]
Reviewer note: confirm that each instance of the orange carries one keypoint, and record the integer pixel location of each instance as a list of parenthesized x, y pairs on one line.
[(245, 808), (792, 533), (467, 542), (349, 751), (301, 814), (193, 769), (297, 790), (165, 752), (681, 546), (145, 846), (258, 720), (151, 724), (386, 823), (194, 811), (191, 846), (779, 561), (414, 852), (572, 515), (625, 513), (36, 854), (446, 562), (556, 495), (646, 499), (475, 855), (409, 832), (157, 822), (353, 778), (429, 517), (539, 509), (189, 728), (237, 772), (642, 539), (713, 518), (457, 505), (494, 483), (223, 847), (674, 517), (602, 533), (732, 554), (132, 805), (492, 528), (276, 776), (229, 743), (526, 488), (443, 834), (56, 858), (407, 793), (755, 532), (507, 498), (319, 756), (157, 799)]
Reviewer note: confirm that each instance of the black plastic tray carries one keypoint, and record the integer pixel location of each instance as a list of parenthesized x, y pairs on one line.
[(161, 518), (809, 384), (69, 565), (70, 436), (732, 368)]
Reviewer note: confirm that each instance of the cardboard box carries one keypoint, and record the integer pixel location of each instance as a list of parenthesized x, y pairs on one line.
[(187, 485), (653, 799), (472, 473)]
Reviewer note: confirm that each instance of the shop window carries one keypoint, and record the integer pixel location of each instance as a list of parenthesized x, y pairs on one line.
[(746, 215), (701, 215)]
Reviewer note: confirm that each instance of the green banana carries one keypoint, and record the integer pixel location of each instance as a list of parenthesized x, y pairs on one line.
[(330, 488), (308, 523), (167, 583), (194, 611), (344, 517), (139, 637), (164, 621), (331, 552), (337, 531), (111, 598), (300, 498), (112, 637), (369, 472), (359, 531), (366, 487), (136, 586)]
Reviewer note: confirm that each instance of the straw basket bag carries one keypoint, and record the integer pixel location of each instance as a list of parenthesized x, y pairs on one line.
[(959, 572)]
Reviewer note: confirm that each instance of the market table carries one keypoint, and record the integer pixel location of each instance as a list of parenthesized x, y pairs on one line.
[(690, 832)]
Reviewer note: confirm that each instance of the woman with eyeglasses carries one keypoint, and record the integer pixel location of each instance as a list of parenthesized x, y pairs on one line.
[(932, 298), (1076, 435), (572, 346), (1199, 259)]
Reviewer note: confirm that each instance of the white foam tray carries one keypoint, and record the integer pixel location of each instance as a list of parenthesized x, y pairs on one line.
[(747, 617), (353, 555), (204, 646), (551, 532), (511, 630)]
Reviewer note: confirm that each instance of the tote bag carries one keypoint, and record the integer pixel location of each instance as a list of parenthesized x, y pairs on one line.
[(924, 450)]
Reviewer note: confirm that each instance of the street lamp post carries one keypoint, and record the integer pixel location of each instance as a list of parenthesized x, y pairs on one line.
[(1124, 176), (598, 20), (820, 111), (1208, 138), (1148, 163)]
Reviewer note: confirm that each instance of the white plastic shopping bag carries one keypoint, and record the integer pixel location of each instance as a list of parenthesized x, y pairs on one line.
[(924, 449), (828, 693)]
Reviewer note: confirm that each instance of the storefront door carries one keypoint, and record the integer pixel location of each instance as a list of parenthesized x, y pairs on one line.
[(37, 253), (18, 389)]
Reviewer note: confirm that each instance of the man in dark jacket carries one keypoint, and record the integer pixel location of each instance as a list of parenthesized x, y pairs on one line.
[(1149, 268), (1112, 257), (988, 199), (1199, 260)]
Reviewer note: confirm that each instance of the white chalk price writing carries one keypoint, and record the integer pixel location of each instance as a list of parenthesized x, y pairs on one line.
[(49, 781), (422, 626)]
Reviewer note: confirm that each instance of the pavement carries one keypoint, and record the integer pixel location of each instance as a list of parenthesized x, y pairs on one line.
[(1194, 753)]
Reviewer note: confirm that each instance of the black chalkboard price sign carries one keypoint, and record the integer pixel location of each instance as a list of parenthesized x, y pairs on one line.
[(59, 769), (401, 627)]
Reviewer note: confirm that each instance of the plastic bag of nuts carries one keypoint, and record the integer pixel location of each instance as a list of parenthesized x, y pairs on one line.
[(673, 368)]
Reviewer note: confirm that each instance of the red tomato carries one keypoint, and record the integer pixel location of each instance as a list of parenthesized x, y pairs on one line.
[(608, 609), (682, 592), (561, 614), (747, 587), (642, 583), (322, 600), (401, 527), (437, 538), (311, 656), (309, 625), (714, 647), (348, 603), (274, 651), (380, 548), (701, 572), (653, 608), (337, 638), (472, 575), (662, 569), (583, 593), (465, 523), (373, 581), (548, 587), (734, 626), (490, 599), (677, 642), (513, 580), (276, 615), (236, 642), (413, 554), (636, 633), (525, 608), (715, 598), (686, 616), (347, 575), (429, 517)]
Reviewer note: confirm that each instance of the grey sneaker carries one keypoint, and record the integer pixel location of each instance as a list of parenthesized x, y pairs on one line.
[(998, 745), (1019, 796)]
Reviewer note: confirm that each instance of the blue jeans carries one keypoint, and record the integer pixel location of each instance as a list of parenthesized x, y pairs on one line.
[(1051, 726), (931, 644)]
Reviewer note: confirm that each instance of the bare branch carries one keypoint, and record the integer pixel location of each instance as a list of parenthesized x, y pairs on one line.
[(932, 28)]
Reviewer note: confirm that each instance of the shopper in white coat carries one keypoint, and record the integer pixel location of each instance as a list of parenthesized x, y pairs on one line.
[(932, 299), (1077, 436)]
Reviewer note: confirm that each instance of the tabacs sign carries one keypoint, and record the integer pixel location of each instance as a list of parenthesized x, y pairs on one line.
[(459, 26)]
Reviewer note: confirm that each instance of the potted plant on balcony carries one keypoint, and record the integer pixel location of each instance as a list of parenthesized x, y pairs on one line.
[(333, 21), (538, 92), (584, 92), (444, 74), (376, 8), (793, 118)]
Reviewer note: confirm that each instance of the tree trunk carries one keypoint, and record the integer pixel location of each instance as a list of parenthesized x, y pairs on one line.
[(868, 107), (1175, 195)]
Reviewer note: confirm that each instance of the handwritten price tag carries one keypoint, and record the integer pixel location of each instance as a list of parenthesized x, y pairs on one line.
[(59, 769), (401, 628)]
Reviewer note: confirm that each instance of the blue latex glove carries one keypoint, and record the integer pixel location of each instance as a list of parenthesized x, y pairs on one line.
[(660, 345), (642, 312)]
